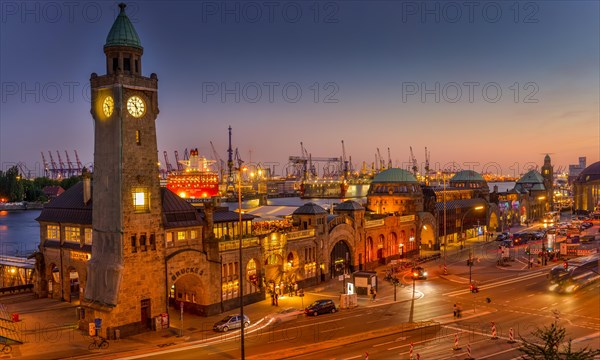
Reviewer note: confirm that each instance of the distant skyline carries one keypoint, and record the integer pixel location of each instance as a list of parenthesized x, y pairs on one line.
[(485, 85)]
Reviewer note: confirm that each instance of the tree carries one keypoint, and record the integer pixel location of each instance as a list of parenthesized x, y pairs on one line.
[(548, 347)]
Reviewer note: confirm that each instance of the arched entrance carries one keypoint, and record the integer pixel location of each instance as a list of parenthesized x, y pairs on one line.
[(494, 223), (380, 256), (274, 269), (340, 259), (188, 289), (427, 237), (73, 284)]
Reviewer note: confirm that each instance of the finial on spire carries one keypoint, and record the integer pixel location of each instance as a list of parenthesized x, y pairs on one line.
[(122, 6)]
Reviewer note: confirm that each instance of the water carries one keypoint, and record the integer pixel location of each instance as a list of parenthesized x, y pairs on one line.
[(292, 201), (19, 232)]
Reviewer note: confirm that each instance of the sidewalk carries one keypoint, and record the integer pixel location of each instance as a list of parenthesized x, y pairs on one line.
[(50, 330)]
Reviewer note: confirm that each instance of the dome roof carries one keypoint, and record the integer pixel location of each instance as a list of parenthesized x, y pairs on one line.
[(122, 32), (309, 209), (589, 174), (349, 205), (394, 175), (531, 177), (467, 175)]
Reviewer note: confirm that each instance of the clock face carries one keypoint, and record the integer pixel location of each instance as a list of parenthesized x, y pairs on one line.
[(136, 106), (108, 106)]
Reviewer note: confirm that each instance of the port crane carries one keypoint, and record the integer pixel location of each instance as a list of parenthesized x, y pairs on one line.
[(413, 161), (220, 162), (344, 161), (389, 159), (381, 161), (427, 155)]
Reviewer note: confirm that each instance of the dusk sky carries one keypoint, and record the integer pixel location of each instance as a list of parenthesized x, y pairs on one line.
[(495, 84)]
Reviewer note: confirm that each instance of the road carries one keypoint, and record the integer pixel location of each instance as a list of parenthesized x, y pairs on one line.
[(510, 296)]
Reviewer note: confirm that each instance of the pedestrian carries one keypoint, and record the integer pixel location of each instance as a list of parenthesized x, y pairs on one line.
[(296, 288), (277, 289), (290, 289), (455, 311), (272, 299), (374, 293), (276, 299), (458, 311)]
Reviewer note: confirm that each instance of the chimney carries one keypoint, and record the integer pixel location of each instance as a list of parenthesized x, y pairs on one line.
[(87, 186)]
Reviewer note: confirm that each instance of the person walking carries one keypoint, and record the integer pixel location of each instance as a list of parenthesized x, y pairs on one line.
[(295, 288), (374, 293), (455, 311), (276, 299), (272, 298)]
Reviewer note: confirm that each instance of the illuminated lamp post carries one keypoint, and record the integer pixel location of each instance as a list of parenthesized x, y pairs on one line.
[(241, 277), (463, 219)]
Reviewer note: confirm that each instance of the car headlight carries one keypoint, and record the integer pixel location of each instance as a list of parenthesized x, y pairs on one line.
[(552, 287), (425, 273)]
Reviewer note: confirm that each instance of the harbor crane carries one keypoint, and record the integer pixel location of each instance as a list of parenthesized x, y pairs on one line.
[(167, 162), (427, 155), (413, 161), (79, 165), (220, 162), (69, 163), (45, 163), (389, 159), (179, 165), (344, 161), (381, 161), (54, 169)]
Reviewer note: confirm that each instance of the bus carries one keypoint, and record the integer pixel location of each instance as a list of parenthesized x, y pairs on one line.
[(574, 274), (551, 217)]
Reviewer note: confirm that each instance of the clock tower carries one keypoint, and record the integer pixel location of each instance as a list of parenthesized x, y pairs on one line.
[(126, 274), (548, 176)]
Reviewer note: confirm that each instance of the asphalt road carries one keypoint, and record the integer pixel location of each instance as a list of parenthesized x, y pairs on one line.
[(518, 296)]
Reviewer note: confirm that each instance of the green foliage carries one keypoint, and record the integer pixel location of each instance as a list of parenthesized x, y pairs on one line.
[(547, 346), (15, 189)]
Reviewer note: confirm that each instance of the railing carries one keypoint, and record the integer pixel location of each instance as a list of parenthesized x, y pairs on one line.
[(302, 234), (235, 244), (374, 223)]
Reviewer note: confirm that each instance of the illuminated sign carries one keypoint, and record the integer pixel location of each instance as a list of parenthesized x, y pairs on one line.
[(76, 255)]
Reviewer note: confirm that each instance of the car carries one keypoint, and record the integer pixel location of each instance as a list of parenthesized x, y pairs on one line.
[(587, 224), (419, 272), (230, 322), (320, 307), (502, 237), (284, 315)]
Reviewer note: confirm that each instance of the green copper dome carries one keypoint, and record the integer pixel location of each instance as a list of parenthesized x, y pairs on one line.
[(467, 175), (122, 33), (531, 177), (394, 175)]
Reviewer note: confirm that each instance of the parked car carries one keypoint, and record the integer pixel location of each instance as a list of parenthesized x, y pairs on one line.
[(320, 307), (418, 272), (230, 322), (587, 224), (284, 315)]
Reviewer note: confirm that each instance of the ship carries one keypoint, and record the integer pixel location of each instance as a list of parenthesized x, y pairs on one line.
[(197, 180), (334, 188)]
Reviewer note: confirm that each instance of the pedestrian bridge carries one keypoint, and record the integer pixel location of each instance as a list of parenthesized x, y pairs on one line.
[(16, 274)]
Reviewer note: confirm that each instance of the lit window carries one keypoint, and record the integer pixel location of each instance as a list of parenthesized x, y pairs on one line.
[(88, 236), (181, 235), (141, 200), (72, 234), (53, 232), (138, 139), (194, 234), (169, 236)]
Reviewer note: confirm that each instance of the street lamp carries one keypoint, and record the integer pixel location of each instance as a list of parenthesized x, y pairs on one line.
[(463, 219), (241, 277), (445, 238)]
